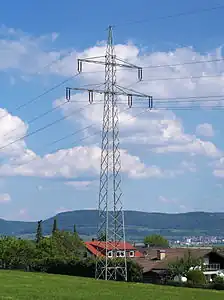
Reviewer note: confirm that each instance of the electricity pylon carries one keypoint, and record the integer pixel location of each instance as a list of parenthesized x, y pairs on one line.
[(111, 216)]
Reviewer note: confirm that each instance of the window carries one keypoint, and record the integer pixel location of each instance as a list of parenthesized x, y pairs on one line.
[(110, 253), (132, 253), (122, 253)]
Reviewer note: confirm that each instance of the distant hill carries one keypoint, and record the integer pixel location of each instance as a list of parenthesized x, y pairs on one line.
[(138, 224)]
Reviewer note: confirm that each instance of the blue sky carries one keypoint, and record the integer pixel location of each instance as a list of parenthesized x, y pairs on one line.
[(172, 161)]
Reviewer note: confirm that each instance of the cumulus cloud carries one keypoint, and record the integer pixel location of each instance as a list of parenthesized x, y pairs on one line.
[(67, 163), (77, 161), (22, 52), (160, 131), (4, 198), (13, 129), (218, 167), (167, 200), (157, 131), (188, 165), (80, 185), (205, 130)]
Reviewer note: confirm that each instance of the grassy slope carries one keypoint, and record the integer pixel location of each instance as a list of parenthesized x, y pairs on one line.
[(20, 285)]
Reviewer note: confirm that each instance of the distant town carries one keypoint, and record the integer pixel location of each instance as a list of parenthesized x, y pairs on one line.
[(198, 241)]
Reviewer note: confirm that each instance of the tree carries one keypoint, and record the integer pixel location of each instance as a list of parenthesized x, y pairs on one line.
[(156, 240), (74, 229), (196, 277), (16, 253), (183, 265), (55, 226), (39, 234)]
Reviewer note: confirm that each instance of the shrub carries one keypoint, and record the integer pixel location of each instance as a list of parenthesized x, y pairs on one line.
[(80, 267), (218, 279), (73, 267), (134, 270), (218, 283), (196, 277)]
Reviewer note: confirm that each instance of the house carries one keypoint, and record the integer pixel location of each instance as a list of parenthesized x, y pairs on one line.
[(155, 263), (97, 248)]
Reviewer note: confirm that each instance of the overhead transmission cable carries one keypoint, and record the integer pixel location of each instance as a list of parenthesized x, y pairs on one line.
[(39, 96), (76, 132), (164, 65), (45, 113), (86, 137), (172, 16), (144, 80), (44, 127)]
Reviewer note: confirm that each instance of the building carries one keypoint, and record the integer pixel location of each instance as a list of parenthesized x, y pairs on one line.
[(95, 248), (155, 263)]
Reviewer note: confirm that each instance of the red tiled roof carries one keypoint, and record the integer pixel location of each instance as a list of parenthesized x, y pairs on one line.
[(93, 245)]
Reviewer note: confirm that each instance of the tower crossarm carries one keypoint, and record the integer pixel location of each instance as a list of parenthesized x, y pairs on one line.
[(99, 91), (114, 62), (120, 91)]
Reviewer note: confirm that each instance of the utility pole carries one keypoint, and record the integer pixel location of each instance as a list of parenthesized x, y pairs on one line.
[(111, 215)]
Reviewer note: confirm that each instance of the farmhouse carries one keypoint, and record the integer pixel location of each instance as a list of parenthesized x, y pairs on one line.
[(96, 248), (155, 263)]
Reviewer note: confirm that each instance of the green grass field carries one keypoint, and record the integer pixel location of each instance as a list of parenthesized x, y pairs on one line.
[(21, 285)]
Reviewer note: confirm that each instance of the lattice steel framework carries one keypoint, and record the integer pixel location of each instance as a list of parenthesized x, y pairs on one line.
[(111, 262)]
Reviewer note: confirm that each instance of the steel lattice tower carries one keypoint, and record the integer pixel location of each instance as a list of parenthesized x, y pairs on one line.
[(111, 263)]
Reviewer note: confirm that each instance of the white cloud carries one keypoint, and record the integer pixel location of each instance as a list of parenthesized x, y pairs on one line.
[(74, 162), (12, 129), (167, 200), (80, 185), (22, 52), (218, 173), (205, 130), (4, 198), (188, 165), (195, 147), (158, 131), (162, 131), (218, 168)]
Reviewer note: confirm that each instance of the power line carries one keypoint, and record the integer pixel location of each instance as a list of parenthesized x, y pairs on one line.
[(200, 98), (44, 113), (179, 108), (184, 63), (44, 127), (39, 96), (37, 117), (182, 78), (177, 15), (166, 65), (151, 79), (187, 101), (188, 105), (95, 133), (76, 132), (53, 62)]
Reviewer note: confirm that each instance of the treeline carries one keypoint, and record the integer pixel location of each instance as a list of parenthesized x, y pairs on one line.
[(60, 253)]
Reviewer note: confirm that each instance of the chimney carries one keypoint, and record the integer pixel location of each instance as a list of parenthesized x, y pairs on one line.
[(161, 254)]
